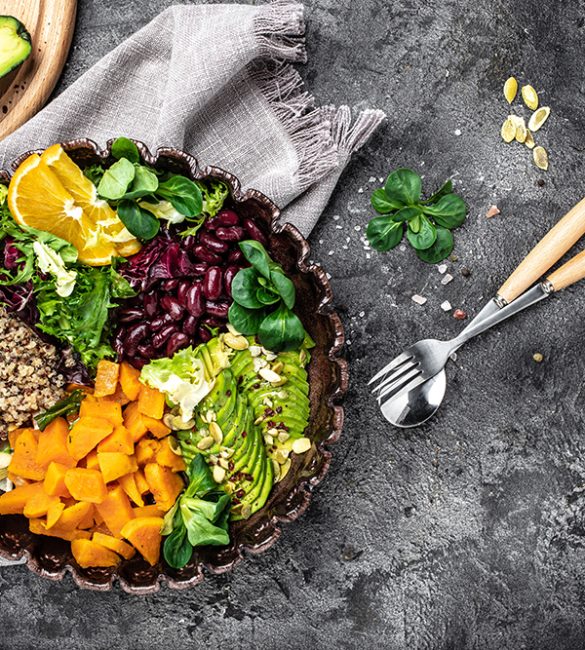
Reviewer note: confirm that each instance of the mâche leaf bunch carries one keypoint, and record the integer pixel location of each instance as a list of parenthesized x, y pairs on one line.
[(263, 300), (427, 223)]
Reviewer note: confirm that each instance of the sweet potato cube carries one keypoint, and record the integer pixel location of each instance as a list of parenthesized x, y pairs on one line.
[(151, 402), (101, 408), (38, 505), (164, 484), (24, 460), (86, 434), (146, 450), (141, 483), (129, 381), (39, 527), (144, 534), (148, 511), (120, 440), (14, 435), (91, 460), (129, 486), (14, 502), (106, 379), (88, 553), (52, 444), (133, 421), (86, 485), (74, 516), (54, 513), (116, 510), (114, 464), (55, 480), (167, 457), (116, 545), (156, 427)]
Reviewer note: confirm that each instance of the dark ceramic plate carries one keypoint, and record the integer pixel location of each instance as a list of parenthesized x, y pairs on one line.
[(328, 376)]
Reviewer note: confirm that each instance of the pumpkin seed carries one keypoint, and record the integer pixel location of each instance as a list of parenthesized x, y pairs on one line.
[(529, 142), (269, 375), (538, 118), (205, 443), (530, 97), (276, 471), (521, 131), (283, 436), (268, 439), (301, 445), (508, 131), (215, 432), (284, 469), (175, 446), (5, 460), (510, 89), (219, 474), (236, 342), (540, 157), (246, 510)]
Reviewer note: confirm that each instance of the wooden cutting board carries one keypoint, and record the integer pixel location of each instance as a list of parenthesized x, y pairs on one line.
[(24, 92)]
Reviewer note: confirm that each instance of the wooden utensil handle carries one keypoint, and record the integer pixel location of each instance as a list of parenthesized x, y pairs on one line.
[(557, 241), (569, 273)]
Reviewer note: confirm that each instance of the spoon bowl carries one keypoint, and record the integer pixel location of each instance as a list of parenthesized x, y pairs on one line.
[(416, 406)]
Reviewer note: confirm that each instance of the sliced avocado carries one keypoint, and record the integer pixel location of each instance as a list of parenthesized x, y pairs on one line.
[(15, 44), (248, 455)]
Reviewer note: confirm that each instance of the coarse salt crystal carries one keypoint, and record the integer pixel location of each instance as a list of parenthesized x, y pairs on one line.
[(357, 228), (402, 247), (442, 268), (331, 253), (338, 226), (362, 314), (457, 131), (336, 217), (345, 247), (448, 278), (361, 190), (419, 300), (372, 179), (446, 306), (381, 179), (368, 256)]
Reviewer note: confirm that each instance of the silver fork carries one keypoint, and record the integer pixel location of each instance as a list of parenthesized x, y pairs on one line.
[(425, 359)]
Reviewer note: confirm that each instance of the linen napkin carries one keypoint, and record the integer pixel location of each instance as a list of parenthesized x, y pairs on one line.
[(217, 82)]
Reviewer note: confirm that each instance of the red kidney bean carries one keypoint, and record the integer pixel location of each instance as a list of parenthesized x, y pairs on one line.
[(200, 268), (172, 306), (254, 232), (160, 338), (235, 255), (189, 326), (170, 285), (177, 341), (133, 337), (228, 278), (130, 315), (190, 242), (194, 302), (182, 290), (212, 283), (213, 321), (219, 309), (159, 322), (226, 218), (203, 334), (150, 303), (213, 244), (146, 350), (138, 362), (235, 233), (205, 255)]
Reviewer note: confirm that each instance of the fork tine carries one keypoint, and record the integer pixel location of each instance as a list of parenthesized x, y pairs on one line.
[(402, 384), (393, 376), (399, 360)]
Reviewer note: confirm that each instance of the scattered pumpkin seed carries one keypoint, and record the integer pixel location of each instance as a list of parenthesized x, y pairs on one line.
[(205, 443), (268, 439), (540, 157), (530, 97), (510, 89), (246, 510), (215, 432), (278, 367), (283, 436), (276, 471), (529, 142), (508, 130), (175, 446), (301, 445), (269, 375), (538, 118), (236, 342), (284, 469), (219, 474), (521, 131)]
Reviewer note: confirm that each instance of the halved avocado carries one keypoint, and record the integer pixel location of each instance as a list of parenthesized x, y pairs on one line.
[(15, 44)]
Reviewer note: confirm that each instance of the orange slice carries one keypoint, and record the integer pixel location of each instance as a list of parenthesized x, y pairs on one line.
[(51, 193)]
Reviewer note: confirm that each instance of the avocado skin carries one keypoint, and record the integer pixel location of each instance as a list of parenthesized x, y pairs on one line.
[(20, 44)]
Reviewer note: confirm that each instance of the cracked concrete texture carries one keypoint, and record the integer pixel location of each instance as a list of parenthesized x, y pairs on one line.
[(469, 531)]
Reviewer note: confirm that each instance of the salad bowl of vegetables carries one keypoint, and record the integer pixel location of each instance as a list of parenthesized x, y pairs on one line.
[(198, 357)]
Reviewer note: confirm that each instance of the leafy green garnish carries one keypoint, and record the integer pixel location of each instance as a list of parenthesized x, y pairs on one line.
[(125, 148), (213, 193), (199, 517), (116, 180), (94, 173), (264, 297), (82, 319), (62, 408), (427, 222), (140, 222), (183, 194)]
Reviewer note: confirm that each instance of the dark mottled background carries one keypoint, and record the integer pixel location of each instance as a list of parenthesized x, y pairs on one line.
[(468, 532)]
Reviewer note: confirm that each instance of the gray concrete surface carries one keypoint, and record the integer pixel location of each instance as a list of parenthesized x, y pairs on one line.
[(468, 532)]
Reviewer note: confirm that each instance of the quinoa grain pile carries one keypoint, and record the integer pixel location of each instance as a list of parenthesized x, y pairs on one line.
[(29, 380)]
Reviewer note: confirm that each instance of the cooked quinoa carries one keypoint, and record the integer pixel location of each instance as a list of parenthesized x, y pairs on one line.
[(29, 380)]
